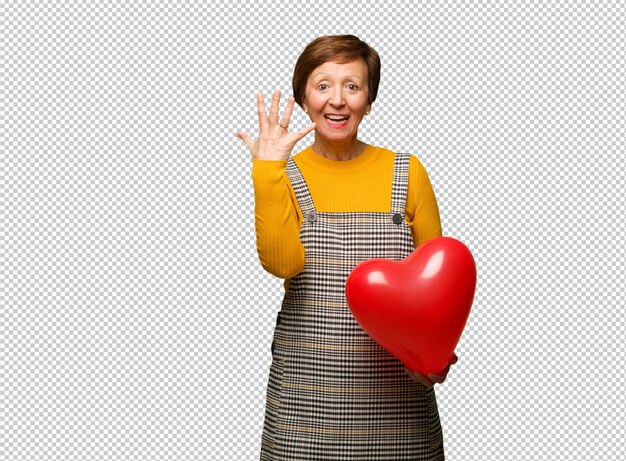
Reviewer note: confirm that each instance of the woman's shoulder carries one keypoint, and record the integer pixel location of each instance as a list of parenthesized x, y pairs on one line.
[(416, 168)]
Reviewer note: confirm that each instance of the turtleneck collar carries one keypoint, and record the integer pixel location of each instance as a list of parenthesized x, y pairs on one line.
[(318, 161)]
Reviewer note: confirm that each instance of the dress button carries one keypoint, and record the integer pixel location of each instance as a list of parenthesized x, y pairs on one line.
[(312, 216), (397, 218)]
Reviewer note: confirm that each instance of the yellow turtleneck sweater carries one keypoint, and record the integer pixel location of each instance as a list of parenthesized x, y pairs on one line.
[(360, 184)]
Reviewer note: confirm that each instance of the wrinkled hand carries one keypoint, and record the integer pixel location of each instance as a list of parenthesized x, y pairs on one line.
[(430, 380), (275, 142)]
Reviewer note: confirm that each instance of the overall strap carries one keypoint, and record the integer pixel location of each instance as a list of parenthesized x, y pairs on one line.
[(301, 190), (400, 186)]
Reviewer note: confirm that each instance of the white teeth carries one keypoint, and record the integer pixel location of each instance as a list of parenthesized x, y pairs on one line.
[(337, 117)]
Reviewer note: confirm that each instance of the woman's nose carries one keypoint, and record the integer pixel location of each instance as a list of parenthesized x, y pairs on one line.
[(337, 98)]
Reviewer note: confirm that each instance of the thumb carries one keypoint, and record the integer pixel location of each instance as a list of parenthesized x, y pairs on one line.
[(246, 138), (298, 135)]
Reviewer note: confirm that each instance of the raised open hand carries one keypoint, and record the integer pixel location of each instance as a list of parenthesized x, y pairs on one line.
[(275, 142)]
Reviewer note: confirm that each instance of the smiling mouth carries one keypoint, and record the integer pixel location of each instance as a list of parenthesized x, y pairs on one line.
[(338, 121)]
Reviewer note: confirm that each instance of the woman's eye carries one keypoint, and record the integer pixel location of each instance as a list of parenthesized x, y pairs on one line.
[(352, 86), (322, 85)]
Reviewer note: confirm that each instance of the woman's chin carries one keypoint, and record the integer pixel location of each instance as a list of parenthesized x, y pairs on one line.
[(334, 136)]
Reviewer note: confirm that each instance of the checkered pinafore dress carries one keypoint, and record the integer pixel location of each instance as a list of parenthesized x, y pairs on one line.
[(333, 393)]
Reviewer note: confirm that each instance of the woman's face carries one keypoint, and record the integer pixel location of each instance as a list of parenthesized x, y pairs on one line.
[(340, 90)]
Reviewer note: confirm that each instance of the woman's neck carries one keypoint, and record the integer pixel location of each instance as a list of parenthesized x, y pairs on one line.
[(339, 151)]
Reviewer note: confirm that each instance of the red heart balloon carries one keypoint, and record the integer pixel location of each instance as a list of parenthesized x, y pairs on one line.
[(416, 308)]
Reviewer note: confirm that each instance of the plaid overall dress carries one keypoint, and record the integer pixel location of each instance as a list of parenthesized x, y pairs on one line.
[(333, 393)]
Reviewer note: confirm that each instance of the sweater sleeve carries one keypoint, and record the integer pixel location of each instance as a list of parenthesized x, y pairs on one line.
[(277, 219), (421, 208)]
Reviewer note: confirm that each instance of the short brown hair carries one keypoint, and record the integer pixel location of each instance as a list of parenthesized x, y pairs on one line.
[(337, 48)]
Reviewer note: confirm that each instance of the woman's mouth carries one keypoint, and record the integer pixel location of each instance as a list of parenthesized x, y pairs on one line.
[(336, 121)]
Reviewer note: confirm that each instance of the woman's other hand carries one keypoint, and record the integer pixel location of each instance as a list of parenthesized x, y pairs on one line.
[(275, 142), (430, 380)]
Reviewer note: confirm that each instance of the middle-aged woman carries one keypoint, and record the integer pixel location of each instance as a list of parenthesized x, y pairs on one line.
[(333, 393)]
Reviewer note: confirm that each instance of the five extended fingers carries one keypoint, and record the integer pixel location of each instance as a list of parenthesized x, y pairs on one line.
[(266, 122)]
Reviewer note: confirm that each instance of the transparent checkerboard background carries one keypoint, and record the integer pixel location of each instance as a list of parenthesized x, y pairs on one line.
[(135, 318)]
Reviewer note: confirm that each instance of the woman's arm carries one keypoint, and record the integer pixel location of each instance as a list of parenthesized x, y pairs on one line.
[(277, 219), (421, 207), (277, 230)]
